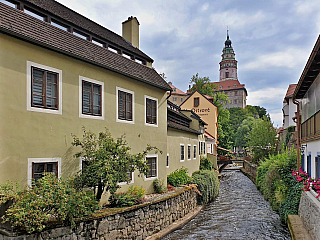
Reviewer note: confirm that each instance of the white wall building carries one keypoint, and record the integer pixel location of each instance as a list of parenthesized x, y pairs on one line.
[(308, 92), (289, 108)]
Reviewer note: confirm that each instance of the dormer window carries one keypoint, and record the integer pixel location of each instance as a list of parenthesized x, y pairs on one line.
[(220, 87), (81, 35), (97, 42), (34, 14), (59, 25), (8, 3), (235, 85), (174, 89)]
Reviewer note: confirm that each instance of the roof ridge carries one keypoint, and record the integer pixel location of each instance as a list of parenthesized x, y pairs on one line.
[(53, 7)]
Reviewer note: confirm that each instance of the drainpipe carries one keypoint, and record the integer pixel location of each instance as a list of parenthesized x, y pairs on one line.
[(169, 95), (298, 132)]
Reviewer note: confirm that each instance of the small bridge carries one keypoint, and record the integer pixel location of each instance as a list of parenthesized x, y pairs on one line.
[(224, 161)]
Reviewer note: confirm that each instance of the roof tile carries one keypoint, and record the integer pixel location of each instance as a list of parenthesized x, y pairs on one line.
[(75, 18), (16, 23)]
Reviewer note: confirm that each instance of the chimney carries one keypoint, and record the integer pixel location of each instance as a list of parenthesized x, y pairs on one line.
[(130, 31)]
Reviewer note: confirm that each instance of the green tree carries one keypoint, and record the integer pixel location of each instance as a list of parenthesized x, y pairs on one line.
[(262, 112), (204, 86), (242, 133), (107, 161), (262, 139)]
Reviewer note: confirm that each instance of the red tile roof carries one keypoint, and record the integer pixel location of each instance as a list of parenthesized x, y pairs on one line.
[(19, 24), (290, 90), (176, 90), (69, 15), (229, 85)]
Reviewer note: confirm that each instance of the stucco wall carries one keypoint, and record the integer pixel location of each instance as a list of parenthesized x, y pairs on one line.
[(206, 110), (312, 148), (175, 139), (28, 134), (309, 212)]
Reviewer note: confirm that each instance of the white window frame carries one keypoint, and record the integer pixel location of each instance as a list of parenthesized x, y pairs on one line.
[(195, 152), (127, 183), (81, 115), (41, 160), (117, 100), (29, 91), (189, 145), (168, 157), (184, 152), (145, 111), (157, 163)]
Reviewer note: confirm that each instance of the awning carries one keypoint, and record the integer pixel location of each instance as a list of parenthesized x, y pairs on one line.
[(224, 149)]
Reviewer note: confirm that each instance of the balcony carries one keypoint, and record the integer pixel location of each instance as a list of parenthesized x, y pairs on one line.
[(310, 129)]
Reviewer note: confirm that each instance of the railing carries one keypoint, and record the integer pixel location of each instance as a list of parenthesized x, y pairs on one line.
[(311, 127)]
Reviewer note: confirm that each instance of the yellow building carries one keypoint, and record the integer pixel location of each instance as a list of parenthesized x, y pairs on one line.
[(176, 96), (60, 71), (208, 112)]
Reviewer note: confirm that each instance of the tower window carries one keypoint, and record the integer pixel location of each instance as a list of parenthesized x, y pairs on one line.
[(227, 74)]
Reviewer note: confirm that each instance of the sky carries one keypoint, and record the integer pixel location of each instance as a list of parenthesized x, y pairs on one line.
[(272, 39)]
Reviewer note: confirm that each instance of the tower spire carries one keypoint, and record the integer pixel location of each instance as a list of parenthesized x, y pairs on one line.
[(227, 33), (228, 64)]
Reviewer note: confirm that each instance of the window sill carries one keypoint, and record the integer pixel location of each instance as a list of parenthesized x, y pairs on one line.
[(151, 125), (150, 178), (44, 110), (125, 121), (125, 183), (81, 115)]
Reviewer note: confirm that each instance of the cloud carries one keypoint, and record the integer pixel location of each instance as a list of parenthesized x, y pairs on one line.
[(291, 57), (266, 95), (277, 119), (238, 20), (204, 7)]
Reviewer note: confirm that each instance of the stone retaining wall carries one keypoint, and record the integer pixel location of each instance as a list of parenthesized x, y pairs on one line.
[(249, 170), (136, 222), (309, 212)]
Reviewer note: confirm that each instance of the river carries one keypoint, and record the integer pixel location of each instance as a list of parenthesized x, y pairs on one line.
[(239, 212)]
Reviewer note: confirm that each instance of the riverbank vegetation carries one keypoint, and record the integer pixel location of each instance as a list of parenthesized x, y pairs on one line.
[(277, 184), (208, 185), (49, 199)]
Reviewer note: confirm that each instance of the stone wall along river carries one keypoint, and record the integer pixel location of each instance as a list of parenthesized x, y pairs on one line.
[(239, 212)]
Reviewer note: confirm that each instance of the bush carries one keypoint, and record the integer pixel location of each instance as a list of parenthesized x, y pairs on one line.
[(278, 186), (205, 164), (134, 195), (48, 199), (208, 185), (179, 177), (158, 186)]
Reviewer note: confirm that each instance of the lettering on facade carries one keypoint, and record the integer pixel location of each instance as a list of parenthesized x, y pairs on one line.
[(200, 111)]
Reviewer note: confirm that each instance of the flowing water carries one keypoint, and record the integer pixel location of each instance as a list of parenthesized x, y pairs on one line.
[(239, 212)]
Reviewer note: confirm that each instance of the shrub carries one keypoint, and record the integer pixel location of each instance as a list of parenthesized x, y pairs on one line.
[(278, 186), (134, 195), (158, 186), (49, 198), (208, 185), (205, 164), (179, 177)]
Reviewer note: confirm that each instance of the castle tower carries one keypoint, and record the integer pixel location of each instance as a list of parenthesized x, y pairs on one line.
[(228, 64)]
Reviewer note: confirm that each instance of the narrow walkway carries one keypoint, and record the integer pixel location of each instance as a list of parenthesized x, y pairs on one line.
[(240, 212)]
